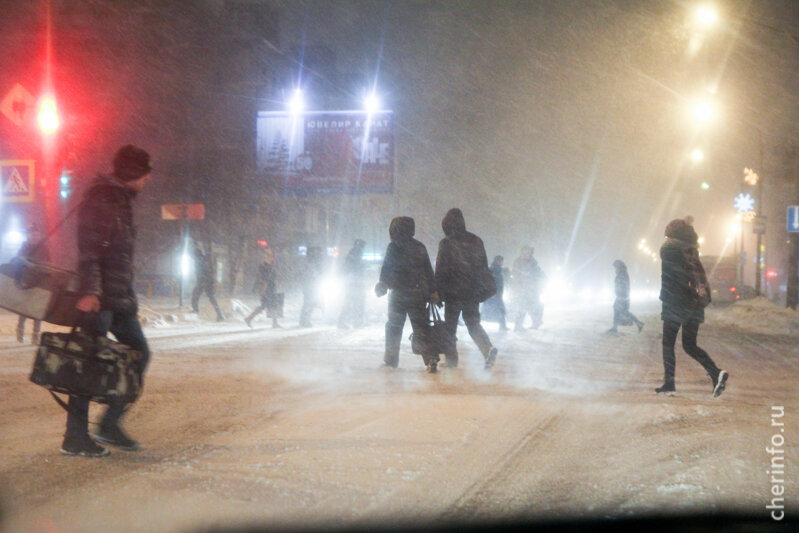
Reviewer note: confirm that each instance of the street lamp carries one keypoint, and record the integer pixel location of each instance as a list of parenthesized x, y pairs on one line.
[(706, 15)]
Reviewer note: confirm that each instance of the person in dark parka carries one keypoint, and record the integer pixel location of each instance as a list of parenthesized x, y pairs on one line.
[(354, 295), (408, 274), (681, 274), (494, 308), (266, 285), (33, 249), (621, 306), (311, 274), (106, 236), (460, 262), (206, 281), (527, 280)]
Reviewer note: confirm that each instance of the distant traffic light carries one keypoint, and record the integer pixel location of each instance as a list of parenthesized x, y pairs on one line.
[(48, 118), (262, 243), (65, 184)]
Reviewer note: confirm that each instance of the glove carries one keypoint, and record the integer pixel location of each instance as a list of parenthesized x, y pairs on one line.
[(381, 289)]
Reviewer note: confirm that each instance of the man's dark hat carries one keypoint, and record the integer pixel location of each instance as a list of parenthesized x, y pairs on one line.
[(131, 163)]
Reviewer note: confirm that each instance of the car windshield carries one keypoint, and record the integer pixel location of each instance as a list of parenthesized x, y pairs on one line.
[(394, 263)]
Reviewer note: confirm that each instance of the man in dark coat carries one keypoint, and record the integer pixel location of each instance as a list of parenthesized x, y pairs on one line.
[(408, 274), (621, 306), (311, 274), (463, 281), (494, 308), (682, 275), (527, 281), (33, 249), (266, 286), (105, 266), (354, 297), (206, 281)]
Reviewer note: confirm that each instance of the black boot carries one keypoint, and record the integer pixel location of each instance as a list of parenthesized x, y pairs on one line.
[(111, 433)]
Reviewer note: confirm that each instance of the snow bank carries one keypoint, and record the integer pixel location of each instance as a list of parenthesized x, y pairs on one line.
[(760, 315)]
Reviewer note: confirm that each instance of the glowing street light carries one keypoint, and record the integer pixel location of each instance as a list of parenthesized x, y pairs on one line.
[(371, 103), (697, 155), (296, 104), (703, 111), (706, 16)]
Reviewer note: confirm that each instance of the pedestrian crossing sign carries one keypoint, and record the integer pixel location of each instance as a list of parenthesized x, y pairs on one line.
[(17, 180)]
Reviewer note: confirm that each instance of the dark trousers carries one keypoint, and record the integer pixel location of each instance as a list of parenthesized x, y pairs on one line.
[(211, 292), (471, 316), (622, 315), (127, 330), (532, 304), (689, 332), (400, 305)]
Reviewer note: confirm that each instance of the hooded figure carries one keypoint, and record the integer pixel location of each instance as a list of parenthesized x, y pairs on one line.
[(682, 277), (407, 273), (464, 280), (266, 286), (621, 306), (494, 308), (206, 281), (527, 280), (354, 294)]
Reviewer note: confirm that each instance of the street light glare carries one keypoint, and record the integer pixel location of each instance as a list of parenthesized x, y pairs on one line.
[(296, 104), (706, 15), (703, 111), (371, 103), (697, 155)]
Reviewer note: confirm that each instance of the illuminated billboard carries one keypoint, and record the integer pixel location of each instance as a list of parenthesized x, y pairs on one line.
[(327, 151)]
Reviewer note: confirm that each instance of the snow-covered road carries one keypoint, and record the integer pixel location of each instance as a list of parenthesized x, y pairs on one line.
[(303, 426)]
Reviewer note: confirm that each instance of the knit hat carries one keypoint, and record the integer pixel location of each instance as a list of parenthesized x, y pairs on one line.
[(131, 163)]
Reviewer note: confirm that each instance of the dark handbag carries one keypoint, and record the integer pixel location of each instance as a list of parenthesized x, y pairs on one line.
[(95, 368), (437, 339), (485, 285), (39, 290)]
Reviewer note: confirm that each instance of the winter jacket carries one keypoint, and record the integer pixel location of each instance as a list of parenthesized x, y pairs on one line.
[(527, 277), (105, 244), (680, 271), (622, 284), (461, 265), (406, 267)]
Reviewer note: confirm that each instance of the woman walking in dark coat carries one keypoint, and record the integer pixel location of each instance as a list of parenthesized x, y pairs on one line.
[(494, 308), (407, 272), (682, 279), (621, 306), (267, 287)]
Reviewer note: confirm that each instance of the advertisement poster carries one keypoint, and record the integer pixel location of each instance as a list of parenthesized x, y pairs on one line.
[(332, 151)]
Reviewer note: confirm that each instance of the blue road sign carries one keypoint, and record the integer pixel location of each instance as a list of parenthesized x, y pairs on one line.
[(793, 219)]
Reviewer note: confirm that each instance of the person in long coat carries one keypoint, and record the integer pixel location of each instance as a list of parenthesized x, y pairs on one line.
[(461, 265), (527, 280), (266, 284), (682, 279), (354, 294), (621, 306), (408, 275), (33, 249), (311, 274), (206, 281), (494, 308)]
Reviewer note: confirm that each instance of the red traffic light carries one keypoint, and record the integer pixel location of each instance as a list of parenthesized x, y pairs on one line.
[(48, 118), (262, 242)]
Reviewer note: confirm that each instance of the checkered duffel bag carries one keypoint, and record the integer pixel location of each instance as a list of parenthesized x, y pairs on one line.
[(95, 368)]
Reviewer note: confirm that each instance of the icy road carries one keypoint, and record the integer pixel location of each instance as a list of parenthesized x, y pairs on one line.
[(302, 426)]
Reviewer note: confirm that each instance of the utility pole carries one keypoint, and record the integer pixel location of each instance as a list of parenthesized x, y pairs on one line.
[(759, 230)]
